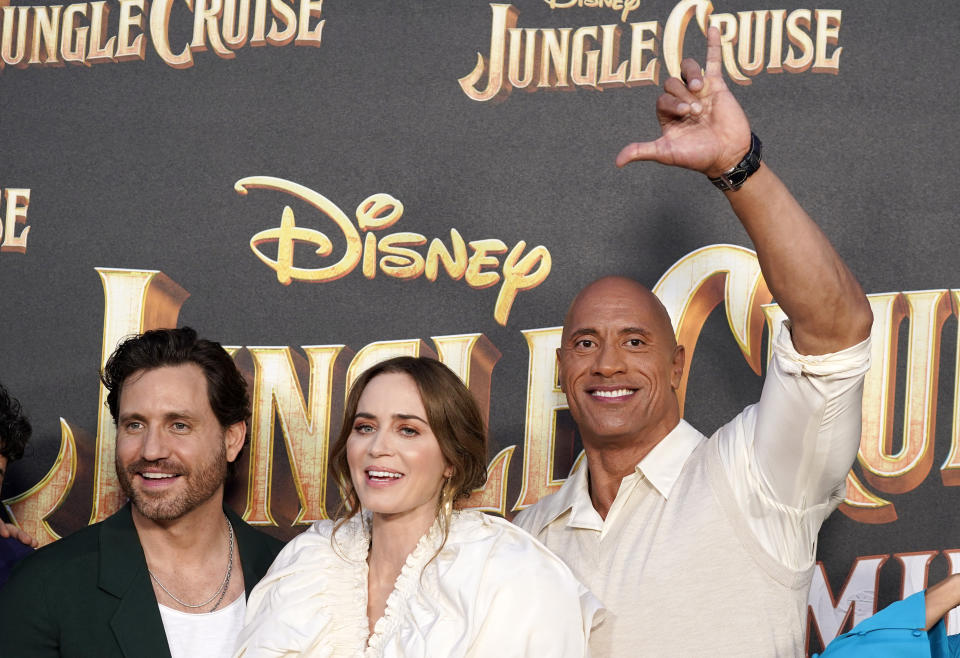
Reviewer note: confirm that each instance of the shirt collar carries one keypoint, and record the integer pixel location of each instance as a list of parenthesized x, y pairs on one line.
[(574, 494), (661, 467), (663, 464)]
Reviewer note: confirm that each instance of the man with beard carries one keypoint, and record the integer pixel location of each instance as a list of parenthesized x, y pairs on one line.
[(168, 574)]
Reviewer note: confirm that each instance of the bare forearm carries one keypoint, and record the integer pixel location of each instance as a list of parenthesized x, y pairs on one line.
[(806, 276), (942, 598)]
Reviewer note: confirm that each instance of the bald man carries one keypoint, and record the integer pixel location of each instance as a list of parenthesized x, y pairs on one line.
[(704, 547)]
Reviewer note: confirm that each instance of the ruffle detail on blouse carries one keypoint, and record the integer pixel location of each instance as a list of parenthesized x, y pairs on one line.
[(313, 599), (407, 587)]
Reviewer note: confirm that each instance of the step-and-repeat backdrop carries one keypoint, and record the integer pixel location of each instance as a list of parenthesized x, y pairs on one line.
[(322, 184)]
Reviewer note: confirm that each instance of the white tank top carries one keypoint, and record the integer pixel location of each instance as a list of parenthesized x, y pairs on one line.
[(209, 634)]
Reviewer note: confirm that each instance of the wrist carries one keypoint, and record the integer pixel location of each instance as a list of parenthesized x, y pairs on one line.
[(732, 178)]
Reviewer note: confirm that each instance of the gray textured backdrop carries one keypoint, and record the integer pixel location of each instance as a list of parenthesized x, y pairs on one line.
[(132, 165)]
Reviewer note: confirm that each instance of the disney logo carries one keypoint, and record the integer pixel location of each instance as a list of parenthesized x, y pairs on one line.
[(393, 254)]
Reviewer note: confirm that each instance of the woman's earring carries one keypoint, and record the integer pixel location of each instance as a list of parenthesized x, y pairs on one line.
[(446, 504)]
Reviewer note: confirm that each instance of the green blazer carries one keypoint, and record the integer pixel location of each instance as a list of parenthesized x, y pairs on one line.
[(89, 594)]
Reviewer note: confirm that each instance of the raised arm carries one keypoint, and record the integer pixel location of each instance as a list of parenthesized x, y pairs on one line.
[(705, 129)]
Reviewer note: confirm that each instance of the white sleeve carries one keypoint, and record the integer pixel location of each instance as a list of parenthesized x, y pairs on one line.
[(787, 457), (533, 606)]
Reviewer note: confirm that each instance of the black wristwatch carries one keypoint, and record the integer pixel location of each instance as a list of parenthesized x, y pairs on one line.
[(733, 179)]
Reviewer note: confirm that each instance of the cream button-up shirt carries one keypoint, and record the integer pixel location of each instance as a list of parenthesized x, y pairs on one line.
[(784, 461)]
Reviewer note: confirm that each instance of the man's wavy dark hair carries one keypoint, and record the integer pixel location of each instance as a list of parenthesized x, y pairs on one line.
[(14, 427), (226, 387)]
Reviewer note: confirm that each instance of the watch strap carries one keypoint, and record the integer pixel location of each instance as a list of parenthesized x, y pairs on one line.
[(732, 180)]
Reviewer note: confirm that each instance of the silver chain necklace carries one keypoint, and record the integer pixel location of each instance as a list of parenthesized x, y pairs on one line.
[(221, 591)]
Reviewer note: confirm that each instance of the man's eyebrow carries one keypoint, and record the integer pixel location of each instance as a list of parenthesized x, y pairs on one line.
[(168, 416), (178, 415), (635, 330), (582, 332), (585, 331)]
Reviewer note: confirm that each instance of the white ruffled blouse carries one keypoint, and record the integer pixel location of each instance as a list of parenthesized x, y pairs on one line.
[(492, 591)]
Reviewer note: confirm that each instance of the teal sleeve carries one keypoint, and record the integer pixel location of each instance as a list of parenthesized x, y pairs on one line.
[(942, 645), (896, 631)]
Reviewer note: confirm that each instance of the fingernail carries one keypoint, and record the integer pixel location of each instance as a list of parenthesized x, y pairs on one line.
[(696, 108), (683, 108), (696, 85)]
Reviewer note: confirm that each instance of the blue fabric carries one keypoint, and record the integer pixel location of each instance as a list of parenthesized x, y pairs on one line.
[(943, 645), (897, 631), (11, 552)]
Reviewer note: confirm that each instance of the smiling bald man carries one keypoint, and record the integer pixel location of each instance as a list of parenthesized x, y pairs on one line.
[(696, 546)]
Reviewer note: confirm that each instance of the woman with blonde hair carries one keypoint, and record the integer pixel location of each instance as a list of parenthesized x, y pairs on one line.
[(402, 572)]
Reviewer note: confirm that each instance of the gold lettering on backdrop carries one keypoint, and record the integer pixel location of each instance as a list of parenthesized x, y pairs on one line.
[(31, 509), (304, 423), (134, 301), (73, 37), (622, 6), (13, 46), (828, 34), (828, 613), (696, 283), (49, 35), (798, 27), (901, 471), (644, 71), (863, 506), (831, 615), (46, 23), (592, 56), (206, 32), (129, 49), (472, 357), (916, 569), (610, 43), (492, 496), (101, 47), (950, 470), (299, 392), (544, 400), (17, 202), (675, 33), (953, 617), (504, 19), (398, 259), (374, 353)]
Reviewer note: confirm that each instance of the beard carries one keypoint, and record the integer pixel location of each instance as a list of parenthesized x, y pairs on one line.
[(202, 482)]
